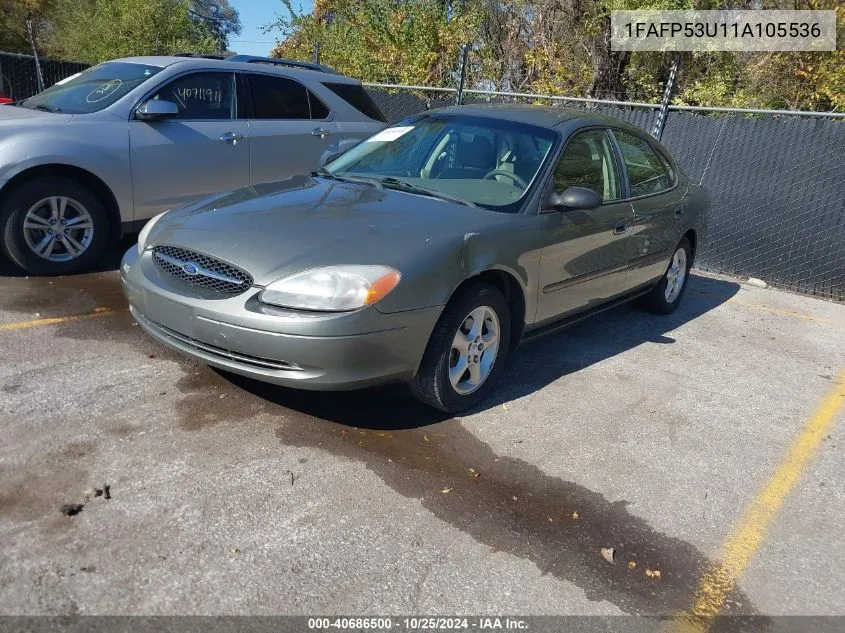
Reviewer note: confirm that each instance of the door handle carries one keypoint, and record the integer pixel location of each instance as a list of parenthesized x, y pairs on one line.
[(231, 137), (321, 132), (621, 227)]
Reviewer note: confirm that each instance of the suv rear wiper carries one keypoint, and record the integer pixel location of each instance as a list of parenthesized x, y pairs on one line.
[(325, 173), (394, 183)]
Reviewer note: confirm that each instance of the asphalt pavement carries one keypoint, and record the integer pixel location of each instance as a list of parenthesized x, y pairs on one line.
[(704, 445)]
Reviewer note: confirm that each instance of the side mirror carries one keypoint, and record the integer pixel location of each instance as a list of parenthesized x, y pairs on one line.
[(572, 198), (156, 110)]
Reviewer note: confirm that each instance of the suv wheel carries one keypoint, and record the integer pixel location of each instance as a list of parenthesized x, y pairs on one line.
[(666, 295), (467, 350), (53, 226)]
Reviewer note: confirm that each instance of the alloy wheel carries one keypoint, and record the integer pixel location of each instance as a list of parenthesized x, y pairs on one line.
[(676, 275), (58, 228), (474, 350)]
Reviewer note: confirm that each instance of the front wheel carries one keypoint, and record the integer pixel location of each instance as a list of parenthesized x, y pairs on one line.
[(666, 295), (467, 350), (53, 226)]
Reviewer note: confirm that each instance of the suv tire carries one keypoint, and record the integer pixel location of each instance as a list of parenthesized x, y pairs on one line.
[(53, 226)]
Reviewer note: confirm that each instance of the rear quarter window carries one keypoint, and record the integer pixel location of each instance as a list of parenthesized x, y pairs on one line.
[(357, 97)]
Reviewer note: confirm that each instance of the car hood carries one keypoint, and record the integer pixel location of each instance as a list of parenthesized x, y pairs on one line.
[(15, 114), (277, 229)]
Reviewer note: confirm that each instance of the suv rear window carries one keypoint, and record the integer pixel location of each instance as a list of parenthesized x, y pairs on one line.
[(357, 97)]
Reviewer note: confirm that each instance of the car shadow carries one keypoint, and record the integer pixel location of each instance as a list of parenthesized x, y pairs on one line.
[(537, 363)]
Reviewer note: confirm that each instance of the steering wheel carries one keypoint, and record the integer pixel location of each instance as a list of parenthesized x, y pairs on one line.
[(519, 182)]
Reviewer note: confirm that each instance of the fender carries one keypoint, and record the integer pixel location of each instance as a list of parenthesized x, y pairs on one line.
[(104, 153)]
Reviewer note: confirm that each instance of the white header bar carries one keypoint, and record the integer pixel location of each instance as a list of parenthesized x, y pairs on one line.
[(730, 30)]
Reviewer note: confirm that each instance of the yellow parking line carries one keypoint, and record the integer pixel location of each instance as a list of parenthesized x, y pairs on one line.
[(718, 581), (22, 325), (790, 313)]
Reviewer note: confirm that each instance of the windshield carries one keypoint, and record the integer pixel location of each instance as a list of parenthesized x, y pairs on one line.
[(92, 89), (488, 162)]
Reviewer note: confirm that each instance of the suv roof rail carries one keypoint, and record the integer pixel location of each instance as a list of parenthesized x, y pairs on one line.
[(201, 55), (275, 61)]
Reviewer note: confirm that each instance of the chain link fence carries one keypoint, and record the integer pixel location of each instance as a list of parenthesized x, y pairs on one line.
[(19, 77)]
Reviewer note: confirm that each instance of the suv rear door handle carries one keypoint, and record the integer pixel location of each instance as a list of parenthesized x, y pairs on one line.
[(621, 227), (321, 132), (231, 137)]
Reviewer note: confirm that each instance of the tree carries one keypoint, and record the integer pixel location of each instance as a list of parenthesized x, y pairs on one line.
[(97, 30), (558, 47), (13, 14), (406, 41)]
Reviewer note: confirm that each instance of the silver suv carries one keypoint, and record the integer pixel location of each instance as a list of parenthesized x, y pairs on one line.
[(99, 153)]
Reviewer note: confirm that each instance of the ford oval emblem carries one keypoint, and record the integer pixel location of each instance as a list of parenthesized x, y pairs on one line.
[(190, 268)]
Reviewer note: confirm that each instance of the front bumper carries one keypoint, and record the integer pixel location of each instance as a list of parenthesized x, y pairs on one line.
[(330, 351)]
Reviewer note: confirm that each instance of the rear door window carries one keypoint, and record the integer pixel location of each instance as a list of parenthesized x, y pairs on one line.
[(648, 172), (278, 98), (357, 97)]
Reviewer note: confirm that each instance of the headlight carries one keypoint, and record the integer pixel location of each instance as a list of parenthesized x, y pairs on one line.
[(142, 236), (332, 288)]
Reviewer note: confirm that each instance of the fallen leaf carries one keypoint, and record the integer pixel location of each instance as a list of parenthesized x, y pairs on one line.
[(106, 491), (235, 550), (632, 565), (445, 491), (222, 395), (575, 515), (515, 497), (425, 437), (71, 509), (550, 519), (652, 573), (504, 407), (608, 553)]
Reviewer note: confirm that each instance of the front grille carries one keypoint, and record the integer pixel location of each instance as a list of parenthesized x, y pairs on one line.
[(201, 270)]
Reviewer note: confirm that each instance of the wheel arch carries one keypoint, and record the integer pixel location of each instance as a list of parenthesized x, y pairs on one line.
[(692, 237), (514, 294), (83, 176)]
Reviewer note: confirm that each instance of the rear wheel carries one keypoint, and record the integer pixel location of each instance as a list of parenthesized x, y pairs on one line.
[(467, 350), (666, 295), (53, 226)]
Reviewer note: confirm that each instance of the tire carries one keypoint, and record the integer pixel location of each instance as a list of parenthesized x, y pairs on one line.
[(432, 385), (665, 297), (44, 203)]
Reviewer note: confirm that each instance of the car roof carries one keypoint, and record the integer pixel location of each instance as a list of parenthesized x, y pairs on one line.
[(543, 116), (163, 61)]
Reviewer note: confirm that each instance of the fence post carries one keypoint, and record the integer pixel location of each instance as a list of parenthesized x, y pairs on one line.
[(462, 61), (657, 131), (39, 78)]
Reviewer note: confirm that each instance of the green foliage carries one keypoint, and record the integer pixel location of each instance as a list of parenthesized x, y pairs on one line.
[(555, 47), (13, 14), (403, 41)]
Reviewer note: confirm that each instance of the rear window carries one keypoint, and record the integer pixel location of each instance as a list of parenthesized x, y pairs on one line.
[(357, 97)]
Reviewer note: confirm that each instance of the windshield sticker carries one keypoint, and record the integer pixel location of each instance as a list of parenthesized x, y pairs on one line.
[(104, 91), (67, 79), (390, 134)]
